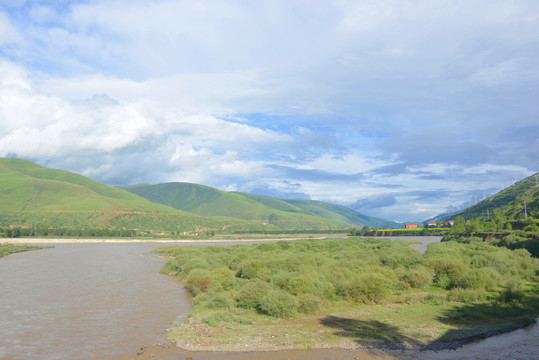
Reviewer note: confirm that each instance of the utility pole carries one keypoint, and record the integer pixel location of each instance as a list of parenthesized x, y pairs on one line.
[(525, 211), (536, 180)]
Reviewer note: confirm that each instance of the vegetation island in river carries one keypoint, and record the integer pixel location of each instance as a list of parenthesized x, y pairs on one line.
[(354, 292), (6, 249)]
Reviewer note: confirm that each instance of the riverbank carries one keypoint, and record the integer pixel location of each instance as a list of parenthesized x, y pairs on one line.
[(384, 327), (202, 240)]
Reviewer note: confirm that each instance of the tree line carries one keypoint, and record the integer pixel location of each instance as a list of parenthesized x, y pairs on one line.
[(64, 232)]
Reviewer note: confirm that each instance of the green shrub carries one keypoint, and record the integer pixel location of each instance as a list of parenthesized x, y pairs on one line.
[(466, 295), (483, 278), (419, 277), (192, 264), (251, 293), (220, 301), (390, 274), (443, 281), (283, 245), (198, 281), (279, 303), (297, 283), (224, 277), (512, 292), (308, 303), (447, 272), (400, 257), (367, 287), (510, 295), (201, 299), (254, 268)]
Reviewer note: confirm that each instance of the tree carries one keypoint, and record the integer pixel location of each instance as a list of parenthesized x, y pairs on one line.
[(459, 226)]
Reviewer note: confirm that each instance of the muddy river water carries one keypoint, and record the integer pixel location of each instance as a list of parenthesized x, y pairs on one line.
[(109, 301)]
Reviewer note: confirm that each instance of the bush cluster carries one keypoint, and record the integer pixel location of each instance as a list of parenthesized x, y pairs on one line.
[(284, 279)]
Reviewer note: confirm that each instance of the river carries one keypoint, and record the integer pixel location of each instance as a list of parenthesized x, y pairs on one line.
[(109, 301)]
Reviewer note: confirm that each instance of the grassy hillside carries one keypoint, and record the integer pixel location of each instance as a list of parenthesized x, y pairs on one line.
[(32, 195), (509, 202), (29, 187), (283, 213), (333, 211)]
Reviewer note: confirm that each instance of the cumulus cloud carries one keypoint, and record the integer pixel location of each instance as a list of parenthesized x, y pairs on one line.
[(191, 147), (397, 107)]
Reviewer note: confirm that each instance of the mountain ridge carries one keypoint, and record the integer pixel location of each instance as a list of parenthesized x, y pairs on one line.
[(207, 201), (39, 197), (508, 202)]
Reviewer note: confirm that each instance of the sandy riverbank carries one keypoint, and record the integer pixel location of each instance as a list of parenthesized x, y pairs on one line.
[(425, 240), (120, 240)]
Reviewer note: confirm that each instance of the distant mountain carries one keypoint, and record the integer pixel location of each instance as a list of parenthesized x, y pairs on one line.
[(509, 201), (283, 213)]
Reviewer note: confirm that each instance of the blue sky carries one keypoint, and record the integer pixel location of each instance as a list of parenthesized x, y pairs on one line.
[(397, 109)]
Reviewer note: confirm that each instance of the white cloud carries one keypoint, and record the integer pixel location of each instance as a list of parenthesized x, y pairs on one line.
[(203, 166), (198, 92), (192, 146), (341, 100)]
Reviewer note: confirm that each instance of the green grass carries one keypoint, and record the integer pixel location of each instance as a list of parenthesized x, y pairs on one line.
[(6, 249)]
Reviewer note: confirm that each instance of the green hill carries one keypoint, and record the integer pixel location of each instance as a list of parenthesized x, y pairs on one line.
[(508, 202), (282, 213), (37, 197), (34, 196)]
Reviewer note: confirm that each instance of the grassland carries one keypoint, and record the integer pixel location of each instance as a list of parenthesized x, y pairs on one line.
[(345, 293)]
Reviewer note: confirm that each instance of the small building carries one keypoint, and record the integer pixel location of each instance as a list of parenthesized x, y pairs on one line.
[(451, 222), (431, 223), (411, 226), (12, 226)]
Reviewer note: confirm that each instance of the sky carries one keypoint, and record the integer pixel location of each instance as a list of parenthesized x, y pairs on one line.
[(398, 109)]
